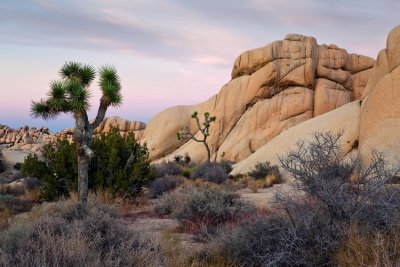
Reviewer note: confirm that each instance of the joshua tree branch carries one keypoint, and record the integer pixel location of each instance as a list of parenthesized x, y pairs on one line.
[(101, 112)]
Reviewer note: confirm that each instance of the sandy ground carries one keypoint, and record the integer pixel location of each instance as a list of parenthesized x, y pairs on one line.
[(265, 196)]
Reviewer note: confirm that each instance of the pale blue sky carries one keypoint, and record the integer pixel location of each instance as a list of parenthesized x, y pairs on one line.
[(167, 52)]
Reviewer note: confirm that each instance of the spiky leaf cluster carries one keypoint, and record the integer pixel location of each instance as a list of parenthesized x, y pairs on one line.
[(71, 93), (110, 85)]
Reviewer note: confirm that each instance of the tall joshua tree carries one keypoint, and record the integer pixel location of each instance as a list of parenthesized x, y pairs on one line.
[(71, 95), (185, 134)]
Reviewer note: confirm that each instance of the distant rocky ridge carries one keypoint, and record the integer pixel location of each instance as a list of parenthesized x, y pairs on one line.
[(32, 139), (272, 89)]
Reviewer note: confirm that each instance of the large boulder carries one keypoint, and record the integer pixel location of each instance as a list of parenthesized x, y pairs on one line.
[(344, 119), (273, 88), (380, 111)]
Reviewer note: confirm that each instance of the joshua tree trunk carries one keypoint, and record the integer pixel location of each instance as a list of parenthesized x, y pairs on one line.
[(83, 137), (208, 150), (83, 181)]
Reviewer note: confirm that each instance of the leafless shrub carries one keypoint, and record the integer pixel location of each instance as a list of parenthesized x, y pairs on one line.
[(75, 235), (201, 209), (164, 184), (167, 168), (340, 187), (312, 223), (212, 172), (273, 241)]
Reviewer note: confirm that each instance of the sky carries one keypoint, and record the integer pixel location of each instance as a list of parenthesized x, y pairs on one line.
[(167, 52)]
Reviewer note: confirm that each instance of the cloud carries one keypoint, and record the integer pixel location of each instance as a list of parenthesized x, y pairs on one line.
[(185, 30), (170, 51)]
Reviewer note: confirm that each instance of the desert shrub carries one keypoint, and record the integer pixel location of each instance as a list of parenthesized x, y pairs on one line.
[(263, 169), (167, 168), (212, 172), (197, 207), (273, 240), (6, 200), (187, 171), (341, 188), (164, 184), (2, 164), (374, 249), (226, 165), (57, 171), (31, 183), (75, 235), (119, 165), (171, 202), (10, 205), (18, 166), (312, 222)]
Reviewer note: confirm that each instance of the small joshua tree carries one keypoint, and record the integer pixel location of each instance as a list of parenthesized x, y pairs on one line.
[(185, 134), (71, 95)]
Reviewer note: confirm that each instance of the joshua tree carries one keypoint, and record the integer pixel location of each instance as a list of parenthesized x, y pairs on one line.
[(71, 95), (185, 134)]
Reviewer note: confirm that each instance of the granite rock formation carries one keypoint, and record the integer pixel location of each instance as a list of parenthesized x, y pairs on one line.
[(272, 89), (370, 124)]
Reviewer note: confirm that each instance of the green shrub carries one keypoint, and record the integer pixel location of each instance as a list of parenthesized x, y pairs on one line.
[(57, 171), (187, 171), (119, 165), (67, 234), (18, 166), (2, 164), (262, 170)]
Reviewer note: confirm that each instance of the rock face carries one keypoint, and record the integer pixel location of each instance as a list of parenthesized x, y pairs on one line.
[(380, 111), (345, 119), (273, 88), (374, 120)]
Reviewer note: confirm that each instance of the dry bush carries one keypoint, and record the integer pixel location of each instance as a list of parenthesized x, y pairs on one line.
[(167, 168), (15, 190), (213, 172), (67, 234), (313, 220), (272, 240), (10, 205), (164, 184), (201, 209), (263, 170), (374, 249)]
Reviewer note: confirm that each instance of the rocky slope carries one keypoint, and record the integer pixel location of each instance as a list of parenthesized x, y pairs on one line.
[(373, 122), (272, 89), (32, 139)]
